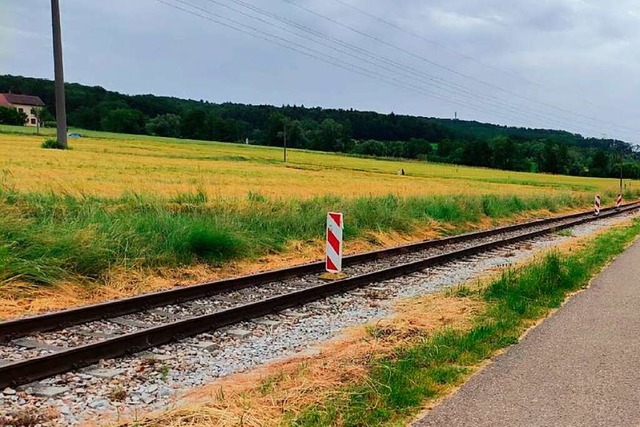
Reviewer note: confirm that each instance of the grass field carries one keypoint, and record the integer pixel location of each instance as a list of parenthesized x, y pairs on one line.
[(108, 166), (129, 202)]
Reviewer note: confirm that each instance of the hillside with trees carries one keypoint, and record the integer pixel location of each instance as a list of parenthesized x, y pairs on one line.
[(339, 130)]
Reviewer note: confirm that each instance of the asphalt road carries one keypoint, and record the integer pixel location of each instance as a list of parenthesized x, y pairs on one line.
[(581, 367)]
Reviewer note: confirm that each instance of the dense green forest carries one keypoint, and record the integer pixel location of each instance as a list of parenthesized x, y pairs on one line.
[(338, 130)]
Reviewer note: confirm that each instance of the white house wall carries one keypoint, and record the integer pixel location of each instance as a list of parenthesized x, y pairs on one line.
[(28, 110)]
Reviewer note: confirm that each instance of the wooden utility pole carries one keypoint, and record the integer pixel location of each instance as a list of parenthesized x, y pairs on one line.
[(61, 109), (620, 173), (285, 141)]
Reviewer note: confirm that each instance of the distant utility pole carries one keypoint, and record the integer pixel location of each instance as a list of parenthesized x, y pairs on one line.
[(61, 110), (285, 141), (621, 173)]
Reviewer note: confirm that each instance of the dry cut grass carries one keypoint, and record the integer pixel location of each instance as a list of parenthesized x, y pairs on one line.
[(269, 396)]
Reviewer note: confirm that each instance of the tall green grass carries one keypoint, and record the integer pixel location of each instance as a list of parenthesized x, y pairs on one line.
[(397, 386), (48, 237)]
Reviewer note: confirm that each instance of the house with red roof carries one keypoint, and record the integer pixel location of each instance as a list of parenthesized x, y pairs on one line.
[(25, 103)]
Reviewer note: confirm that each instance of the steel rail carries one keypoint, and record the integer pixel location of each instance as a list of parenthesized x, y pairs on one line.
[(27, 371), (62, 319)]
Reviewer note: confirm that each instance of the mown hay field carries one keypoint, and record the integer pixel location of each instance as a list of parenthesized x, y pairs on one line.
[(110, 167)]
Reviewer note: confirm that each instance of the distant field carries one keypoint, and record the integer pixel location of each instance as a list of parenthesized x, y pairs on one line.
[(111, 165), (138, 204)]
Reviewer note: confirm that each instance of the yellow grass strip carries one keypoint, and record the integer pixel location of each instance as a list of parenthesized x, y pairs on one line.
[(263, 397), (111, 167)]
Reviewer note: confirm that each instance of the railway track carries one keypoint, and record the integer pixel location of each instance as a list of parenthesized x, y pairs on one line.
[(86, 335)]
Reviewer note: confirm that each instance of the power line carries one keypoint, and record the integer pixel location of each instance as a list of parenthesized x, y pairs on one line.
[(446, 68), (328, 59), (255, 32), (404, 68), (435, 43), (456, 89), (278, 40), (462, 55)]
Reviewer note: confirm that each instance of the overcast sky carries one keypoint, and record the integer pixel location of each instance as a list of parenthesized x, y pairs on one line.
[(569, 64)]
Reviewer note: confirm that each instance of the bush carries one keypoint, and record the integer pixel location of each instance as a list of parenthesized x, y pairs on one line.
[(53, 144), (212, 245), (50, 124), (11, 116)]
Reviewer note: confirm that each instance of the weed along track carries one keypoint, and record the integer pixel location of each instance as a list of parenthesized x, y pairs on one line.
[(43, 346)]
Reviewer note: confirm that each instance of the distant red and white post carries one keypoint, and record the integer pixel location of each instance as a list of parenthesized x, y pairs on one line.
[(335, 225), (596, 205), (619, 201)]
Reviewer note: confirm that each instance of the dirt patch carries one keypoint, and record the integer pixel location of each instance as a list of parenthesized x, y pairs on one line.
[(264, 397)]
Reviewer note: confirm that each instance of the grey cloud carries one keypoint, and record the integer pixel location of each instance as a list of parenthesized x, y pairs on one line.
[(571, 49)]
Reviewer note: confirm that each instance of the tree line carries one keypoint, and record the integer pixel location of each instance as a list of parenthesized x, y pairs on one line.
[(338, 130)]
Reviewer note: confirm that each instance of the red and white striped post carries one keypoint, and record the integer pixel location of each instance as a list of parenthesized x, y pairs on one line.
[(596, 205), (619, 201), (335, 224)]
